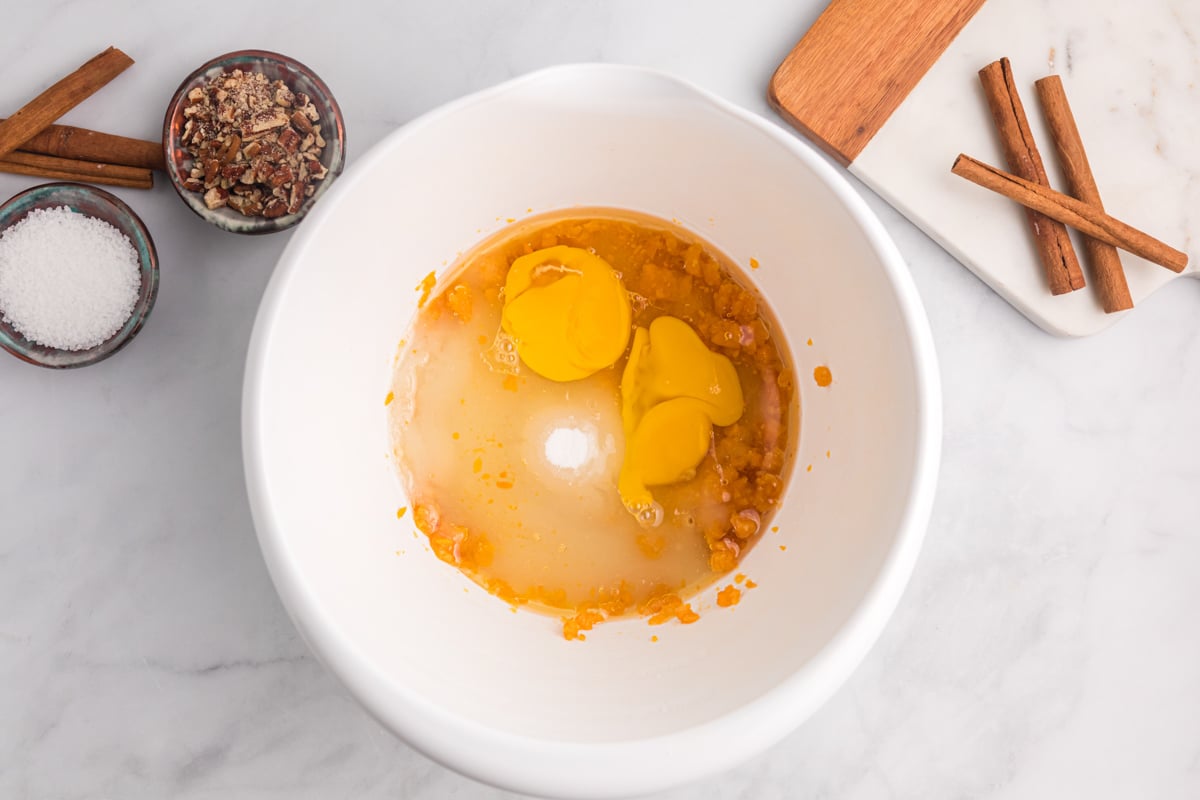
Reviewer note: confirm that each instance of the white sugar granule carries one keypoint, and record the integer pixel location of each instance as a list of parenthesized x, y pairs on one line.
[(67, 280)]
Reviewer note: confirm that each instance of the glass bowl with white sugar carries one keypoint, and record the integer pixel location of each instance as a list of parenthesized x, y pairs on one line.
[(78, 275)]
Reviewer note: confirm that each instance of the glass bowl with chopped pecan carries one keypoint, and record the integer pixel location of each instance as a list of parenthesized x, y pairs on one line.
[(252, 139)]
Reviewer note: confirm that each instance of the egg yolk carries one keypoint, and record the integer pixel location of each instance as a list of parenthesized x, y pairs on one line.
[(568, 312), (674, 389)]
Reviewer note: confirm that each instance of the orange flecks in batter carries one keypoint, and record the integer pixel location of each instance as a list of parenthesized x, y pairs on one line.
[(401, 512), (808, 468), (510, 220), (721, 561), (511, 383), (729, 596), (482, 339), (741, 576), (651, 546), (459, 300), (751, 585), (505, 592), (583, 621), (809, 342), (454, 436), (504, 484), (654, 638), (456, 545), (612, 601), (425, 519), (827, 453), (663, 608), (754, 263), (774, 529), (783, 548), (425, 287), (477, 467), (387, 401), (822, 376)]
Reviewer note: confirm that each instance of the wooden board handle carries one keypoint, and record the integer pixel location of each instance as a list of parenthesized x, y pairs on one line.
[(858, 62)]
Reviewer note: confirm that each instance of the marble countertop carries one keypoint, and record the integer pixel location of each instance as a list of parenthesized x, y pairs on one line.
[(1047, 645)]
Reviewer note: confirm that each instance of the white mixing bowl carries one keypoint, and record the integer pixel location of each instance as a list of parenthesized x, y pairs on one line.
[(501, 696)]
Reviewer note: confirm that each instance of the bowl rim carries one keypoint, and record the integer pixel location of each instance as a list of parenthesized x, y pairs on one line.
[(578, 769), (253, 226), (140, 312)]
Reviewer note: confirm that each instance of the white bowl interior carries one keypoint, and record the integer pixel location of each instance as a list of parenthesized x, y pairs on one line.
[(441, 661)]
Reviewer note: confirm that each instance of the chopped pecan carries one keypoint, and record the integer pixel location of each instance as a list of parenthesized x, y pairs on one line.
[(296, 199), (268, 120), (289, 140), (283, 175), (215, 197), (212, 168), (230, 148), (274, 208), (255, 144)]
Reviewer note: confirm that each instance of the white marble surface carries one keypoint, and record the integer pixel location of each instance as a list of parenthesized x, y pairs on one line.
[(1047, 646), (1132, 76)]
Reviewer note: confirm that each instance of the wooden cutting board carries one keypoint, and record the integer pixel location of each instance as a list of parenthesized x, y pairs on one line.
[(890, 90)]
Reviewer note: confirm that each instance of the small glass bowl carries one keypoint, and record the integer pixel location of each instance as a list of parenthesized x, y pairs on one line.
[(298, 78), (94, 203)]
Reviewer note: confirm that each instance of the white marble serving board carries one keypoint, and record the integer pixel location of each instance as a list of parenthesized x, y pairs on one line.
[(1130, 70)]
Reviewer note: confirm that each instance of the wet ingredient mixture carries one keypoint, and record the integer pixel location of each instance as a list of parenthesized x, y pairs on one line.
[(594, 417)]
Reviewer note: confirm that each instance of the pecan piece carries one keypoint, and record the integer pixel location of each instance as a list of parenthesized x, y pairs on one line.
[(297, 196), (230, 147), (283, 174), (248, 206), (289, 140), (268, 120), (317, 169), (274, 208), (215, 197), (301, 122), (212, 168)]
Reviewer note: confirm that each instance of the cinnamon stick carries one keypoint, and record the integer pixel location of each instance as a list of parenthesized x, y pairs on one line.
[(91, 171), (60, 98), (1107, 274), (1084, 217), (67, 141), (1020, 151)]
